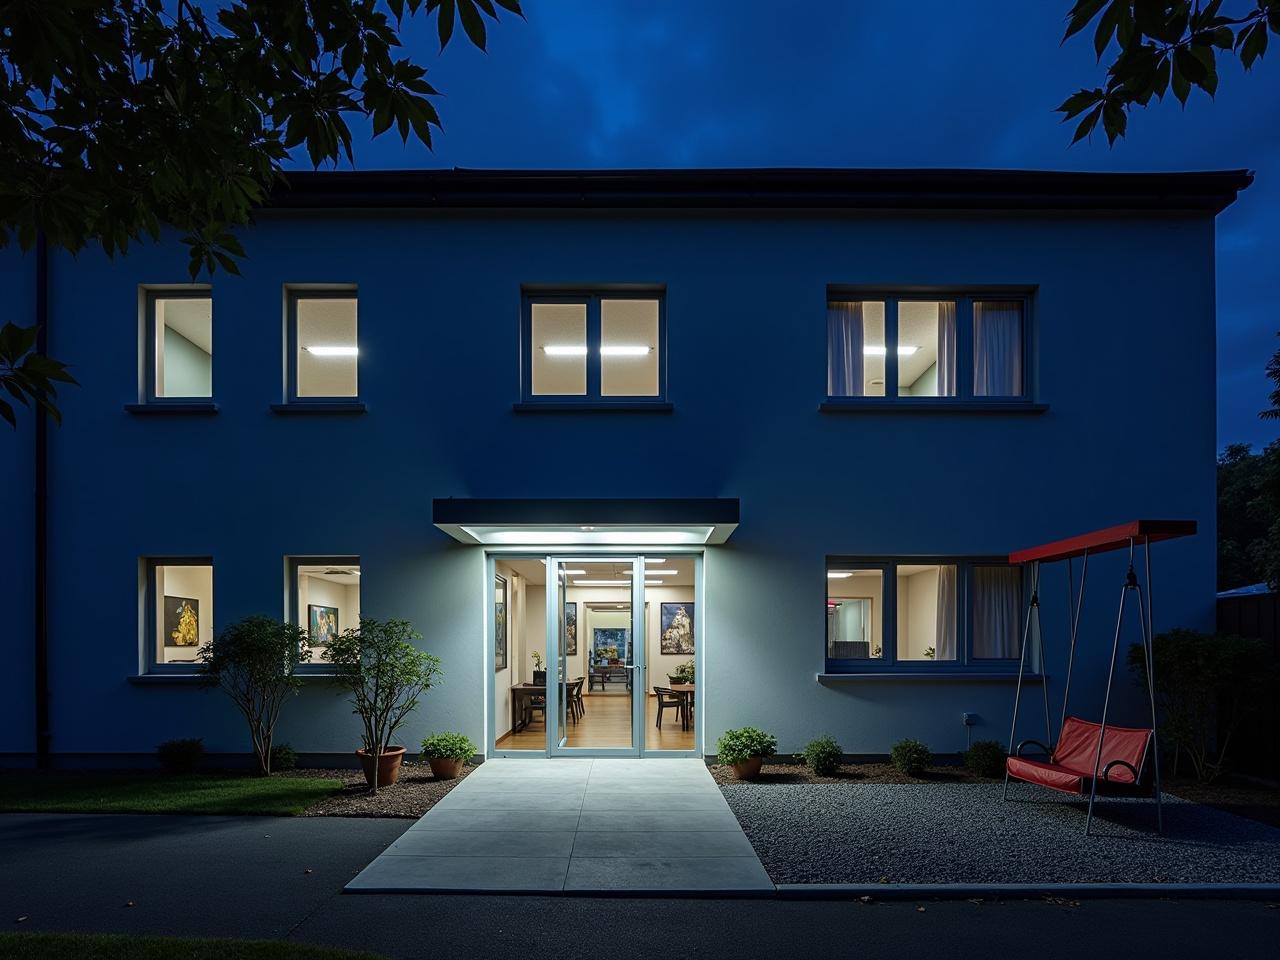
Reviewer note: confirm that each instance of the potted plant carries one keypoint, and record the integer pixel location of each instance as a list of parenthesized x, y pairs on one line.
[(539, 668), (745, 749), (683, 673), (447, 752), (386, 673)]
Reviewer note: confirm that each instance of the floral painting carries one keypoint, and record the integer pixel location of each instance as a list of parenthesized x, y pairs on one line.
[(499, 624), (322, 624), (676, 633), (570, 628), (610, 643), (181, 622)]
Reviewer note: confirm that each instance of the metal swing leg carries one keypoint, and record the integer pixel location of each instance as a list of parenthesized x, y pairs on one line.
[(1131, 583), (1033, 608), (1148, 646)]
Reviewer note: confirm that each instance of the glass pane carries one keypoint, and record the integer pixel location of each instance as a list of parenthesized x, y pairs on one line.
[(855, 605), (997, 348), (671, 641), (855, 348), (520, 642), (997, 613), (184, 612), (926, 612), (328, 602), (327, 351), (629, 348), (559, 346), (184, 347), (926, 348), (599, 655)]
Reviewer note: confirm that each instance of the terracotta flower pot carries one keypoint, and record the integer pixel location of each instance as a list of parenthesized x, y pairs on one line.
[(748, 769), (445, 768), (388, 766)]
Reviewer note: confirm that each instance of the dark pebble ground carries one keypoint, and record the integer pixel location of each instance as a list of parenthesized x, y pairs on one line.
[(965, 833)]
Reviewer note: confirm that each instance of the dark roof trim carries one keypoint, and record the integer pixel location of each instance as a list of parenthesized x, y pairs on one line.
[(601, 512), (811, 188)]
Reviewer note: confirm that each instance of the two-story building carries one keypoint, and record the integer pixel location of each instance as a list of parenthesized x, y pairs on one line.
[(781, 428)]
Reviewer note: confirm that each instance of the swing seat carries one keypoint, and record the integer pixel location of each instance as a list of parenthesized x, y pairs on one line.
[(1071, 763)]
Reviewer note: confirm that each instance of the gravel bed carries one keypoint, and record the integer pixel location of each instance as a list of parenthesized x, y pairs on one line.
[(790, 771), (411, 796), (964, 833)]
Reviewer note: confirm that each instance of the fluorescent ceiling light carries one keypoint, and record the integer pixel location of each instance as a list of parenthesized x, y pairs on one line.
[(838, 574), (624, 350), (602, 583), (332, 350), (565, 349), (657, 573), (653, 583), (605, 536), (904, 350), (574, 573), (654, 560)]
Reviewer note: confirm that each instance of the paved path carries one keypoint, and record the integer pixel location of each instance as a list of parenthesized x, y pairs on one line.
[(577, 826), (269, 878)]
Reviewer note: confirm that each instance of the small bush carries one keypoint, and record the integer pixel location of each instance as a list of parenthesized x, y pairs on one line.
[(448, 746), (181, 756), (283, 757), (910, 757), (985, 758), (823, 755), (738, 746)]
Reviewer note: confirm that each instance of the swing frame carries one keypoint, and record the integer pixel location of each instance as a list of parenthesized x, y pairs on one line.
[(1127, 536)]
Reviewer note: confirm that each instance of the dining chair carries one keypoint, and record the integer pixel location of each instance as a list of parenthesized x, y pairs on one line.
[(576, 697), (670, 700)]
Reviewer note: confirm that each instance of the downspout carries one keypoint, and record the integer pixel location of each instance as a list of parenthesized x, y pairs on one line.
[(41, 519)]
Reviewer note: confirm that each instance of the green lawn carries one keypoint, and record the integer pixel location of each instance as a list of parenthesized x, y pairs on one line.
[(160, 793), (69, 946)]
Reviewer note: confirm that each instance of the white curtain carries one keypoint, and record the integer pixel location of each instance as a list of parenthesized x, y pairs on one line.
[(997, 348), (844, 349), (997, 613), (947, 348), (945, 643)]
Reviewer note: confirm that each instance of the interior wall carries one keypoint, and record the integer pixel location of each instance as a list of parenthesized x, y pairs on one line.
[(327, 593), (183, 369), (917, 614), (195, 583), (871, 586), (504, 679)]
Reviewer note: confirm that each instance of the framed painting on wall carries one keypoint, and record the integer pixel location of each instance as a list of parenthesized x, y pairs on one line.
[(675, 634), (181, 622), (322, 623), (571, 628), (609, 644), (499, 624)]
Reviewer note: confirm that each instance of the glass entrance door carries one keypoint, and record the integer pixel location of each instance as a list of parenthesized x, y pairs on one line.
[(596, 646)]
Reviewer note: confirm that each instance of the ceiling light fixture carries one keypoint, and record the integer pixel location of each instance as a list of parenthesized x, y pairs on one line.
[(332, 350), (904, 350), (625, 350), (653, 573), (654, 560), (602, 583), (838, 574), (565, 349)]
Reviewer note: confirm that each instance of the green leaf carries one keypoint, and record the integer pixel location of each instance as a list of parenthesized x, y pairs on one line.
[(472, 22), (1114, 121), (1107, 25), (512, 5), (1252, 44), (1079, 102), (1179, 82), (1080, 15), (6, 412), (1087, 124), (444, 22)]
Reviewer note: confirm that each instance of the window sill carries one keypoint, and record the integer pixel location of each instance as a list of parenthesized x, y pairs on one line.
[(828, 678), (169, 408), (319, 407), (590, 406), (924, 405)]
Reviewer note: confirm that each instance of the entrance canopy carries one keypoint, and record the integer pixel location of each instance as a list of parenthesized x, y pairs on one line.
[(587, 522)]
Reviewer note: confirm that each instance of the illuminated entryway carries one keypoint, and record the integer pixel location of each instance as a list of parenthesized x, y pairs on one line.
[(595, 654)]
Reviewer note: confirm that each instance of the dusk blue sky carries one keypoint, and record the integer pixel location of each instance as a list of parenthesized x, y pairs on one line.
[(934, 83)]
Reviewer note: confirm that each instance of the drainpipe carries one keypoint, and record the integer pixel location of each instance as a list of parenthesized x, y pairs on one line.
[(41, 519)]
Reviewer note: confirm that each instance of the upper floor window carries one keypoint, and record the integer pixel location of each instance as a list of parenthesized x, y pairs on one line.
[(594, 348), (968, 348), (179, 345), (179, 612), (923, 614), (323, 348)]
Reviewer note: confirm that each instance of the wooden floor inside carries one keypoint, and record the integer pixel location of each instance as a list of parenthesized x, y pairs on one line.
[(607, 723)]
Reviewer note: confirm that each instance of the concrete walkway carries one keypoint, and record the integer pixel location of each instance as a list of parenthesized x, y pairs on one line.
[(581, 826)]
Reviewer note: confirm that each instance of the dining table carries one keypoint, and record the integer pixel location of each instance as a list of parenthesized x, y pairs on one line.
[(685, 692), (521, 695)]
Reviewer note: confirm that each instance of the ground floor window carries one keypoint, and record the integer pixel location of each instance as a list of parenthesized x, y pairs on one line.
[(326, 598), (922, 614), (180, 611)]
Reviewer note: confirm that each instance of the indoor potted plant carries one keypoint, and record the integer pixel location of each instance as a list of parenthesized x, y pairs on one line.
[(683, 673), (380, 664), (745, 749), (447, 752)]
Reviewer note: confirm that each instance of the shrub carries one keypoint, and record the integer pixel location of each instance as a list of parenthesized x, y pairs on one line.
[(448, 746), (283, 757), (256, 662), (1205, 684), (985, 758), (822, 755), (386, 673), (180, 756), (739, 746), (910, 757)]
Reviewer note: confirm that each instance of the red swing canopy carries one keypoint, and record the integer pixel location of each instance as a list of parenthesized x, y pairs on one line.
[(1110, 538)]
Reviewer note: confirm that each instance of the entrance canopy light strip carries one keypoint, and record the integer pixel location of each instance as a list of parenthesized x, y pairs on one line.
[(694, 535)]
